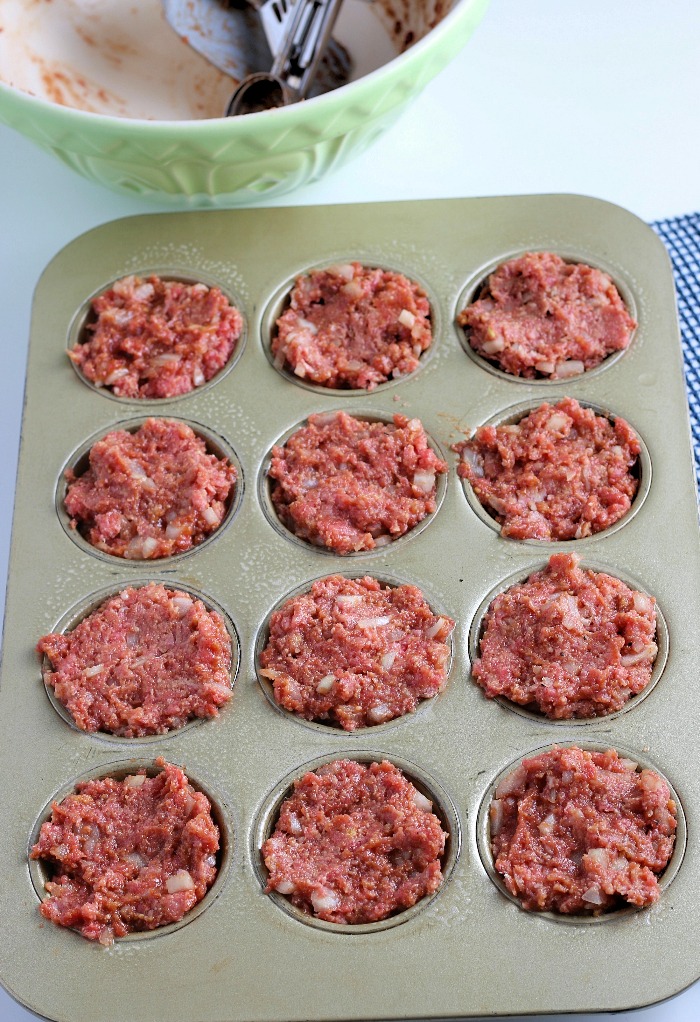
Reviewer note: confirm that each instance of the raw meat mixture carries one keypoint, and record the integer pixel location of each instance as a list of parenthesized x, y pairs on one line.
[(356, 652), (350, 485), (568, 641), (128, 855), (582, 832), (144, 662), (355, 843), (353, 326), (154, 338), (562, 472), (540, 316), (151, 493)]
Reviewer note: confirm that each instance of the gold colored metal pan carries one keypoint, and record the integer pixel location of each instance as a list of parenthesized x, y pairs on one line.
[(469, 950)]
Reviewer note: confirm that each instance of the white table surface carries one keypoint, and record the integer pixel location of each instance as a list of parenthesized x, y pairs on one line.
[(600, 98)]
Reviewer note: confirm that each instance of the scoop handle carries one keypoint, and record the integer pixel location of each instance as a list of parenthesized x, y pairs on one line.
[(296, 63)]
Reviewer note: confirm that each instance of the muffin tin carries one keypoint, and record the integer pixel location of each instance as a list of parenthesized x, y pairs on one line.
[(468, 950)]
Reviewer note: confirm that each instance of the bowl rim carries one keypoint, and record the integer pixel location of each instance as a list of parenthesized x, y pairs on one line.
[(294, 115)]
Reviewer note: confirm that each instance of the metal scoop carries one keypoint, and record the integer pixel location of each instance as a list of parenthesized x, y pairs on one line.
[(280, 50)]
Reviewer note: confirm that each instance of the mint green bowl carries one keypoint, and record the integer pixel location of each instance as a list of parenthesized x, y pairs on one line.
[(236, 161)]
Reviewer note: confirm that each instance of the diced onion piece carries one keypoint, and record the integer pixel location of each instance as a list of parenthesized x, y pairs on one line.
[(171, 358), (546, 368), (353, 289), (135, 780), (117, 374), (149, 546), (325, 684), (143, 292), (373, 622), (512, 782), (406, 318), (140, 547), (285, 887), (495, 816), (325, 418), (90, 672), (383, 540), (174, 531), (137, 471), (421, 802), (182, 604), (601, 856), (557, 422), (648, 653), (388, 660), (437, 626), (473, 459), (547, 824), (629, 764), (180, 881), (379, 713), (136, 859), (308, 325), (651, 781), (210, 516), (295, 826), (499, 506), (347, 600), (324, 900), (572, 367), (593, 896), (494, 346), (346, 270), (198, 377), (642, 603), (424, 480), (124, 286)]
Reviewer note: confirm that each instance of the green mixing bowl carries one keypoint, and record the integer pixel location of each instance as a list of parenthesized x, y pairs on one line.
[(235, 161)]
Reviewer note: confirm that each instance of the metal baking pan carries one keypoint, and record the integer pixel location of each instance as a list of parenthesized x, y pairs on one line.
[(469, 950)]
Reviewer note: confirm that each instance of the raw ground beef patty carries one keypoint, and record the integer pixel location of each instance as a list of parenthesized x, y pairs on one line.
[(353, 326), (355, 843), (540, 316), (144, 662), (356, 652), (561, 472), (154, 338), (582, 832), (128, 855), (150, 493), (349, 484), (568, 641)]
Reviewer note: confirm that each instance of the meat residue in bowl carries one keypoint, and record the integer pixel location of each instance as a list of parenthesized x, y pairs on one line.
[(101, 56)]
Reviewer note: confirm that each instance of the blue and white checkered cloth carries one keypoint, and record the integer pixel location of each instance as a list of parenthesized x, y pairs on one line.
[(681, 236)]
